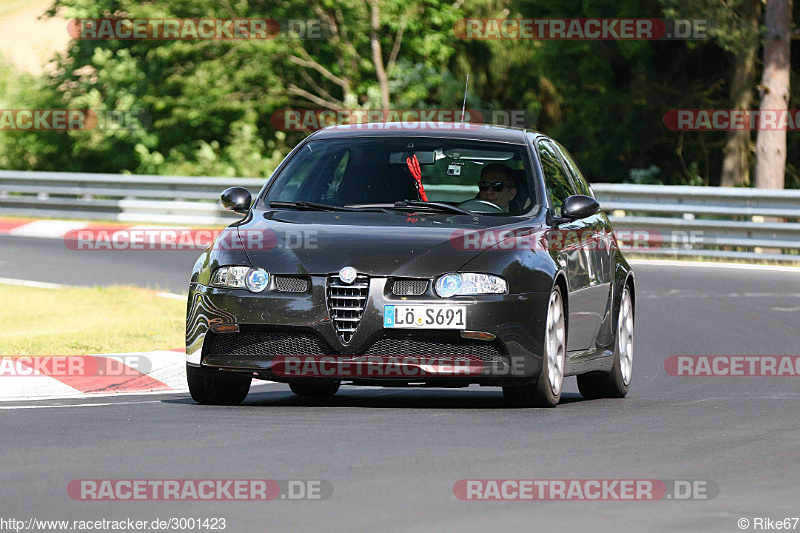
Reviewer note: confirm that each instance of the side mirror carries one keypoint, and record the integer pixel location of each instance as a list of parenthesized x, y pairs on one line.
[(577, 207), (236, 199)]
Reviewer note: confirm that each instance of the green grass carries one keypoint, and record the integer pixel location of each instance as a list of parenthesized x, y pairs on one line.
[(75, 321), (9, 6)]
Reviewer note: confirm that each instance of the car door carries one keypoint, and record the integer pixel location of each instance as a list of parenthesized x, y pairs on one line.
[(571, 243), (602, 275)]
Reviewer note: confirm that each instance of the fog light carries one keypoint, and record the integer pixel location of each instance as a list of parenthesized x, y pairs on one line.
[(257, 280), (448, 285)]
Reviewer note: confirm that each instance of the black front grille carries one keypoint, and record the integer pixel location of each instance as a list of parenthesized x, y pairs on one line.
[(265, 344), (444, 348), (346, 303), (291, 283), (409, 287)]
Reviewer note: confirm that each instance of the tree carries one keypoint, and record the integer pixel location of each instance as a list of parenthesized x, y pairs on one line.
[(736, 154), (771, 144), (735, 28), (377, 54)]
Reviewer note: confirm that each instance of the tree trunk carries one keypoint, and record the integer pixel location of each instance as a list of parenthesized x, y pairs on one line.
[(377, 55), (771, 144), (736, 159)]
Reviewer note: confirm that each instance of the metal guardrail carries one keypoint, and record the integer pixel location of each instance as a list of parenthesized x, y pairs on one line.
[(683, 221), (734, 223), (125, 198)]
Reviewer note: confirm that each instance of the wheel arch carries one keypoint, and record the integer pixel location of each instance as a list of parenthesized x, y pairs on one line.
[(560, 280), (631, 284)]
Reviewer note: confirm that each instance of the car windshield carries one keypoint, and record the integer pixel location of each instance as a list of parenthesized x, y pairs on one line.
[(477, 177)]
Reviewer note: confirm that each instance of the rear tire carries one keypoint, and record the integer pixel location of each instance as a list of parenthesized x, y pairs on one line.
[(546, 391), (213, 388), (315, 390), (617, 382)]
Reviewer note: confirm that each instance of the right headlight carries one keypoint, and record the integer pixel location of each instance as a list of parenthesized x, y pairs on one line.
[(241, 277), (468, 283)]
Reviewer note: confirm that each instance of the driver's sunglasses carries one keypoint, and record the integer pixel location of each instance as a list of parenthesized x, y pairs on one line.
[(497, 186)]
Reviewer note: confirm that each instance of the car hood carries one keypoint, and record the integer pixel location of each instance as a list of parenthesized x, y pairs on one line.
[(376, 244)]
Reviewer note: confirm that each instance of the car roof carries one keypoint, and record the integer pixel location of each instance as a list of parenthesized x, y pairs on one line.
[(450, 130)]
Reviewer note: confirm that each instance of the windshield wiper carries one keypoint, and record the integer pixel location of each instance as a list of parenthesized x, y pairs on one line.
[(441, 206), (312, 206)]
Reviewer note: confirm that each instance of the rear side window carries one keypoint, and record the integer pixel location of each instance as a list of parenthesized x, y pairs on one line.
[(558, 183), (577, 176)]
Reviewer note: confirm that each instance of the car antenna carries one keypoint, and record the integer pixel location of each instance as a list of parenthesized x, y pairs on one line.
[(464, 105)]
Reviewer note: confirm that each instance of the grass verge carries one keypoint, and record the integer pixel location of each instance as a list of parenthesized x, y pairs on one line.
[(80, 321)]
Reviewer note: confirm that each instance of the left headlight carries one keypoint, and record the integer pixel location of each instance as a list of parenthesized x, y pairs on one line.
[(241, 277), (468, 283)]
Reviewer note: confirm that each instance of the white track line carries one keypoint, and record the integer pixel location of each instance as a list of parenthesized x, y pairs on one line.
[(30, 283), (14, 407), (74, 394), (172, 296), (706, 264), (45, 285)]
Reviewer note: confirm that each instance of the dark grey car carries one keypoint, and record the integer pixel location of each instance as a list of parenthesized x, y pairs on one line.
[(428, 256)]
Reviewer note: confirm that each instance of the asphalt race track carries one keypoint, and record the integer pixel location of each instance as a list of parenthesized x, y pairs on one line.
[(393, 456)]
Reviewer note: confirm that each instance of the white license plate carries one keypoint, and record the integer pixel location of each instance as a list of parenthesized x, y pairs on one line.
[(425, 316)]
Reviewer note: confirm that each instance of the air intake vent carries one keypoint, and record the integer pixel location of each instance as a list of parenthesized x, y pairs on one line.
[(265, 345), (436, 347), (291, 284), (346, 303), (409, 287)]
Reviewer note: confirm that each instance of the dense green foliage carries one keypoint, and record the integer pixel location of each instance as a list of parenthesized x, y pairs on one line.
[(208, 104)]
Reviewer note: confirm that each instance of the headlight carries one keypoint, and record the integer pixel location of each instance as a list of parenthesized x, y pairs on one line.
[(469, 283), (241, 277)]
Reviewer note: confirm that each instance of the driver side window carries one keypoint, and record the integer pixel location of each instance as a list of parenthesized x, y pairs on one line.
[(338, 175), (559, 186)]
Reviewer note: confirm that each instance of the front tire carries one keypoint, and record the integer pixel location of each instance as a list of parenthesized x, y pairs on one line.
[(617, 382), (546, 392), (212, 388)]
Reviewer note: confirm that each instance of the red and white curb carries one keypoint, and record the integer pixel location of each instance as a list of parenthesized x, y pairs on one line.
[(52, 377), (100, 236), (50, 229)]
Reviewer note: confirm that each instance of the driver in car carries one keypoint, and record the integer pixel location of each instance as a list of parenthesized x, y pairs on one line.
[(497, 185)]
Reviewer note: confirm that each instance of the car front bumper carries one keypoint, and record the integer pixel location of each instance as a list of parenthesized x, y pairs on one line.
[(273, 324)]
